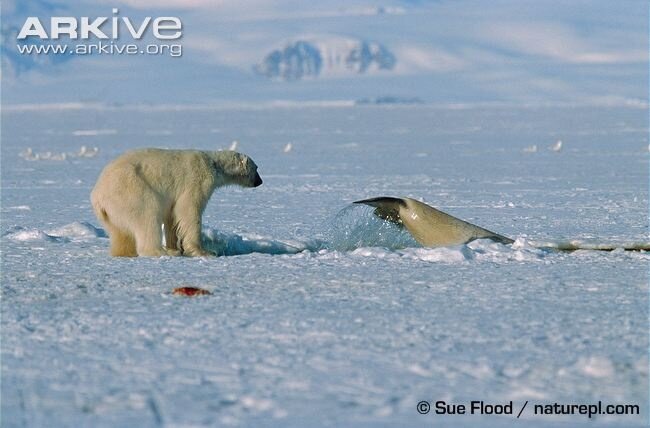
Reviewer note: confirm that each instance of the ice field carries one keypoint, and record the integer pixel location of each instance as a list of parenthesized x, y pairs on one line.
[(320, 314)]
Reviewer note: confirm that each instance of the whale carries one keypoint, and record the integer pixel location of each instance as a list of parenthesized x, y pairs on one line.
[(429, 226)]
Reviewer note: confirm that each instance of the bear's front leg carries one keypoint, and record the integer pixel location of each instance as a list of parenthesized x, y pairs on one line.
[(188, 218), (191, 242)]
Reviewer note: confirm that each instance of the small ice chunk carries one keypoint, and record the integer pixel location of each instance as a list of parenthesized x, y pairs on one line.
[(28, 154), (78, 230), (597, 367), (85, 152), (26, 235), (531, 149)]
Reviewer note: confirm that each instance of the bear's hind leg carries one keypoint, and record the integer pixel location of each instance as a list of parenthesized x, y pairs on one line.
[(122, 242), (171, 239), (148, 239)]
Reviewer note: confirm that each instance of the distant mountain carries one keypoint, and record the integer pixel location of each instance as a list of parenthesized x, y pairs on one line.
[(328, 56)]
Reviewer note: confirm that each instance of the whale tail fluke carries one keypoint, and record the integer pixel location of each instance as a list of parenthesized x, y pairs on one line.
[(386, 208)]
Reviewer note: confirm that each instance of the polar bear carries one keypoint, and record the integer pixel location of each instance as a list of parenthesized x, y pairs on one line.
[(143, 189)]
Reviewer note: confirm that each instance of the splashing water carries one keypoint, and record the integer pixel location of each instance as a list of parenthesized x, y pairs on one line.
[(356, 226)]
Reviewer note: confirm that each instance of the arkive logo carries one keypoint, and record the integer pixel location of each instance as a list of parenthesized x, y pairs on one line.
[(163, 28), (107, 31)]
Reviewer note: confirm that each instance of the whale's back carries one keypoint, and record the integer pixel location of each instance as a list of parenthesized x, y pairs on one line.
[(429, 226)]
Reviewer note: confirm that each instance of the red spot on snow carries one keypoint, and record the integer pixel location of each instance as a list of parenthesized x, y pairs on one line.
[(190, 291)]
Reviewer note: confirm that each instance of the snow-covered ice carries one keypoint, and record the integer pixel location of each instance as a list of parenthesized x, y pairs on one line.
[(321, 314)]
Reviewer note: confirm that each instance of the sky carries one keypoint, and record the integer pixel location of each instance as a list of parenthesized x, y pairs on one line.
[(447, 52)]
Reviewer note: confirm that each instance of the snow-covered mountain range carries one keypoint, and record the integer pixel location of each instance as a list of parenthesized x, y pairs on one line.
[(325, 56)]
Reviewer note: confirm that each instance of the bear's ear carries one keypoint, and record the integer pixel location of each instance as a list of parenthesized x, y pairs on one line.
[(244, 161)]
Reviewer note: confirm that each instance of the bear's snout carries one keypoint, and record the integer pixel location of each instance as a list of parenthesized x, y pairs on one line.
[(258, 180)]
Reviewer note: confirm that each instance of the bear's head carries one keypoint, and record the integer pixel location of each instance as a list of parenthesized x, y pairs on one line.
[(237, 168)]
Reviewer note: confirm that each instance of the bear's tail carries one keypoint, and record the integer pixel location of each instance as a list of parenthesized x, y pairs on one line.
[(100, 212), (102, 215)]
